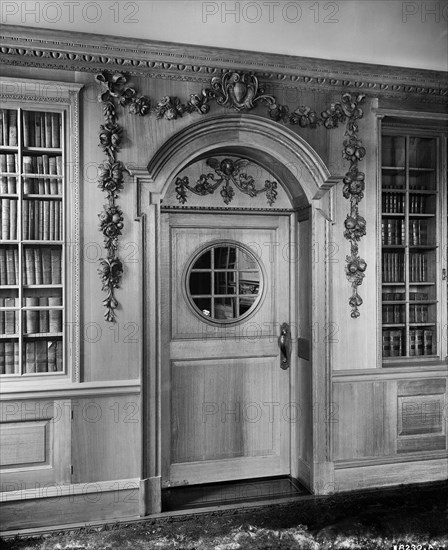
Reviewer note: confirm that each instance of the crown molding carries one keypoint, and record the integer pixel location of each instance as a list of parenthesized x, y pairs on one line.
[(64, 50)]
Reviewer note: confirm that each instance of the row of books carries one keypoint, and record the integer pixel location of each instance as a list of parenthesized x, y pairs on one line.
[(392, 343), (8, 164), (9, 358), (42, 220), (395, 314), (392, 296), (41, 129), (9, 266), (393, 203), (393, 267), (8, 127), (8, 219), (43, 321), (418, 264), (421, 342), (9, 319), (42, 266), (418, 231), (42, 165), (38, 356), (392, 231)]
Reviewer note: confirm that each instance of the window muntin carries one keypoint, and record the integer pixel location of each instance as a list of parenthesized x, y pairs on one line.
[(224, 283)]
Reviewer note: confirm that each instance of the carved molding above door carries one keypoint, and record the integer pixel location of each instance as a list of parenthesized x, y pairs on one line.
[(86, 52), (240, 91)]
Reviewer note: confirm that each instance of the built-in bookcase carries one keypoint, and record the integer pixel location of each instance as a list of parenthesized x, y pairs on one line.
[(412, 246), (38, 215)]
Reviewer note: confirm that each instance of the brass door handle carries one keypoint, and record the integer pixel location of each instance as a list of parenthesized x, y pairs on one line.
[(285, 346)]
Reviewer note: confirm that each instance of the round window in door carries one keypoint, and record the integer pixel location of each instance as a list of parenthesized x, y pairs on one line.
[(224, 282)]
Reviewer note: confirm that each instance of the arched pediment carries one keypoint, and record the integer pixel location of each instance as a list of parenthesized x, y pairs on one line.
[(282, 152)]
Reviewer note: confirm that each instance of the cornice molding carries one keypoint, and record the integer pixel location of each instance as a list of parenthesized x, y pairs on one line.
[(46, 48)]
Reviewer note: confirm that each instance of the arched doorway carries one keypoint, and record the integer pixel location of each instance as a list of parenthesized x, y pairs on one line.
[(195, 375)]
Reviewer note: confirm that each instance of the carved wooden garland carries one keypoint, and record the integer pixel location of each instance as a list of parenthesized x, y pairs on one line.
[(240, 91)]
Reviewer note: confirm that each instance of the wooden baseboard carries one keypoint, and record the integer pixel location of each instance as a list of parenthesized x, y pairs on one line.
[(384, 475), (69, 509), (150, 496)]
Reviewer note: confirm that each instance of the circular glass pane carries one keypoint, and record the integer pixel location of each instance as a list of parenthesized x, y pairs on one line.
[(224, 282)]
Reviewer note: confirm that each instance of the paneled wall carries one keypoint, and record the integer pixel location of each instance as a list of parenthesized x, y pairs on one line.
[(385, 426)]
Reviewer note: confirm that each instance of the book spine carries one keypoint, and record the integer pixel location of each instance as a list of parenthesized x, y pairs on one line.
[(47, 122), (12, 127), (10, 267), (30, 357), (46, 220), (28, 183), (53, 171), (386, 343), (2, 142), (51, 351), (13, 220), (30, 276), (59, 356), (37, 253), (5, 218), (55, 314), (44, 319), (3, 170), (10, 317), (2, 358), (3, 269), (31, 316), (55, 130), (2, 316), (41, 356), (56, 273), (11, 167), (51, 229), (25, 220), (5, 127), (16, 358), (9, 357), (46, 266), (26, 128), (37, 129)]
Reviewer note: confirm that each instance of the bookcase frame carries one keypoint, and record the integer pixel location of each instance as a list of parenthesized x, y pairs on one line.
[(63, 98), (414, 126)]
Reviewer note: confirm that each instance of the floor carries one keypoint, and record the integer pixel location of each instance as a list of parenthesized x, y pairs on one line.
[(217, 494), (367, 520)]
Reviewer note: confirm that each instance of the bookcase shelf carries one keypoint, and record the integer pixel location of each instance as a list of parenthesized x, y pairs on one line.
[(410, 245), (33, 226)]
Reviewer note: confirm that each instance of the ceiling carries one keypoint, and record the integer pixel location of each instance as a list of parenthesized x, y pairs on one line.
[(397, 33)]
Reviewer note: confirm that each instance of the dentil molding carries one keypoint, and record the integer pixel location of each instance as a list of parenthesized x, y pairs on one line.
[(45, 48)]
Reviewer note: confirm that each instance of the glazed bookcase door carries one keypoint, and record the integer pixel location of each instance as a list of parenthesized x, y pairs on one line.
[(413, 242), (38, 235)]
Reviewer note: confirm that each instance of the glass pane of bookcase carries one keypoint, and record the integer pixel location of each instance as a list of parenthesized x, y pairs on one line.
[(31, 248), (409, 225)]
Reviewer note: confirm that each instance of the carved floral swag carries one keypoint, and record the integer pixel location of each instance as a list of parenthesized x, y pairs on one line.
[(241, 92)]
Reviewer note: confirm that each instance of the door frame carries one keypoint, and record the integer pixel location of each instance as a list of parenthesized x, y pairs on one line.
[(307, 180)]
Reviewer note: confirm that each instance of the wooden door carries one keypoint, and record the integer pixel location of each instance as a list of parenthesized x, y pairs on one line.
[(225, 292)]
